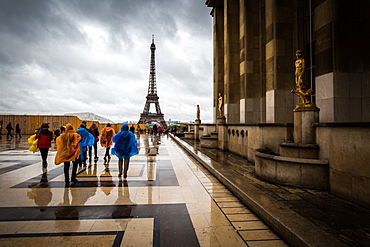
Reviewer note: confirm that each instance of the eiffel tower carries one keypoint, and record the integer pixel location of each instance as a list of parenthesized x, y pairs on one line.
[(152, 97)]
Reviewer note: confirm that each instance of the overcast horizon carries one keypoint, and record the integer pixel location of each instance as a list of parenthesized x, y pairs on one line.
[(59, 57)]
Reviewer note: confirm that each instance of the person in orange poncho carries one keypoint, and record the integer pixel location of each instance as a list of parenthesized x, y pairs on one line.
[(68, 149), (107, 134)]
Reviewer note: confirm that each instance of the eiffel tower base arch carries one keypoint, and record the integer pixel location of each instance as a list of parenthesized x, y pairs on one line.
[(152, 117)]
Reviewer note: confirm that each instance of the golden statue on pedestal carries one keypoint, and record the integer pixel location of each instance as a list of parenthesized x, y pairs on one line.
[(220, 101), (304, 95)]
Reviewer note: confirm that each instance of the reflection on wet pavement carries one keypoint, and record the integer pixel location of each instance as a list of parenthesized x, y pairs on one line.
[(167, 200)]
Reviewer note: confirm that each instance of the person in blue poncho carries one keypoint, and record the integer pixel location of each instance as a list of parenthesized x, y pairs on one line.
[(124, 148), (87, 139)]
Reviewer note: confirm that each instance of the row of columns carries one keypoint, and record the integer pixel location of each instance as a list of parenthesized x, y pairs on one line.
[(254, 60)]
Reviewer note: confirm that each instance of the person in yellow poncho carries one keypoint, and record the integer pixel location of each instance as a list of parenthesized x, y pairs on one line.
[(106, 136), (68, 149), (33, 141)]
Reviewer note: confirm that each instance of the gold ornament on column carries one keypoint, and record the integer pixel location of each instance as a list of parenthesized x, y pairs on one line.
[(300, 91)]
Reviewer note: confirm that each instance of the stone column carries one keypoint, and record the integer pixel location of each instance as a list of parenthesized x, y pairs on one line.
[(304, 117), (252, 89), (218, 53), (279, 60), (232, 61)]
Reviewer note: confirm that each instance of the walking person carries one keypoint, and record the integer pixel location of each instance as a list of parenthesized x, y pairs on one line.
[(68, 150), (106, 141), (44, 136), (95, 132), (87, 140), (138, 130), (155, 127), (9, 129), (1, 128), (159, 130), (125, 147), (56, 134), (17, 131)]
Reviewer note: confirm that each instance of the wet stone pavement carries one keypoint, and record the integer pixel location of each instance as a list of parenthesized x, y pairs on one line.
[(168, 199), (302, 217)]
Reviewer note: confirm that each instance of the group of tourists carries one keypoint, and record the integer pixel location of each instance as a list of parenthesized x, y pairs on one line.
[(9, 130), (74, 145)]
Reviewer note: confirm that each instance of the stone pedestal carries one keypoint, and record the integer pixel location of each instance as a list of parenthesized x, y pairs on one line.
[(298, 163), (299, 172), (222, 132), (304, 117), (196, 129), (221, 120), (299, 150)]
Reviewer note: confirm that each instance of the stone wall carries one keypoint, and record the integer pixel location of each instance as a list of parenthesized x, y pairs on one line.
[(267, 136), (242, 139), (206, 129), (237, 139), (346, 146)]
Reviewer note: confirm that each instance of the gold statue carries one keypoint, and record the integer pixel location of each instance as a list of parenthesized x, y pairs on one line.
[(299, 69), (198, 112), (304, 95), (220, 104)]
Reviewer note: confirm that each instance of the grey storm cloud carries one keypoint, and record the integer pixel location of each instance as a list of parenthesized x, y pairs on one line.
[(93, 56)]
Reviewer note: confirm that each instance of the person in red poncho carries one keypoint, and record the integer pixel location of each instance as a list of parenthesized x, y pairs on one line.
[(44, 136), (106, 136), (68, 149)]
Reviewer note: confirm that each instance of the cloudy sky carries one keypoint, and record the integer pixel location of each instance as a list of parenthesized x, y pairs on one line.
[(58, 57)]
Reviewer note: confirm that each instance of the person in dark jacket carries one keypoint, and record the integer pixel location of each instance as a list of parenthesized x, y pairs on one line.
[(132, 129), (95, 132), (44, 136), (9, 129), (155, 129), (56, 134), (17, 131)]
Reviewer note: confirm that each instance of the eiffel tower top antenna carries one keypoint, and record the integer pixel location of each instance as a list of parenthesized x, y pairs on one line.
[(152, 97), (152, 80)]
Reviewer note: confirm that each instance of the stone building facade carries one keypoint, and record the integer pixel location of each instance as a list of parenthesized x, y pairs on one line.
[(255, 42)]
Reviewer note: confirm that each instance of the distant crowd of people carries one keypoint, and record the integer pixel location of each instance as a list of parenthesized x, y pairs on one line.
[(155, 129)]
